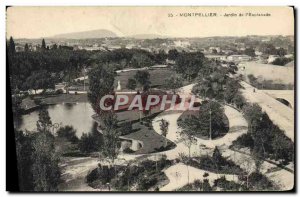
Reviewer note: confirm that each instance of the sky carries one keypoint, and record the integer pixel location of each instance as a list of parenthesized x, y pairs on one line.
[(38, 22)]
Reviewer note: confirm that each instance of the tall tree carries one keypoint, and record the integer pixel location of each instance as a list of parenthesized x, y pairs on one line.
[(143, 78), (44, 44), (131, 84), (45, 169), (174, 82), (26, 48), (12, 46), (111, 134), (164, 126), (101, 79), (173, 54)]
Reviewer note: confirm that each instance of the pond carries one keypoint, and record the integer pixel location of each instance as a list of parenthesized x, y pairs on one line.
[(76, 115)]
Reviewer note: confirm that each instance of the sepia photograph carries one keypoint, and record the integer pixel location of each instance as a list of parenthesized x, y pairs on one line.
[(151, 98)]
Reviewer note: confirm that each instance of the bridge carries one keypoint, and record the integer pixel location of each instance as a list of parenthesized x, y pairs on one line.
[(284, 96), (281, 114)]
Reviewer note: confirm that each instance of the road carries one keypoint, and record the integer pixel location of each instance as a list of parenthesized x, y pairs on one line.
[(280, 114)]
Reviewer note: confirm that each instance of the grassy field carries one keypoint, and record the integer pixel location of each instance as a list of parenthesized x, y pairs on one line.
[(220, 133), (64, 98), (279, 74), (157, 77)]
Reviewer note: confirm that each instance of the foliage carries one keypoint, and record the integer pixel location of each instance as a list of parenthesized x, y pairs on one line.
[(199, 124), (173, 54), (68, 132), (281, 61), (264, 138), (91, 142), (39, 80), (189, 64), (250, 52), (131, 84), (37, 160), (173, 83), (101, 83), (147, 174), (111, 141), (216, 164), (226, 185), (141, 60), (142, 77), (259, 182), (164, 125)]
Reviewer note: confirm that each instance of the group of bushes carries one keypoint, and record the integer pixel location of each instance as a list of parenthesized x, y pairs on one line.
[(264, 137), (268, 84), (141, 176), (215, 163), (255, 182), (87, 143), (197, 186)]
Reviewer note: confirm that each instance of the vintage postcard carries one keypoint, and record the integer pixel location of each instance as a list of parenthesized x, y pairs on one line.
[(152, 99)]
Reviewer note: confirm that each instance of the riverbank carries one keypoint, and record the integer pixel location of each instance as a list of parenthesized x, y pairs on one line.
[(31, 103)]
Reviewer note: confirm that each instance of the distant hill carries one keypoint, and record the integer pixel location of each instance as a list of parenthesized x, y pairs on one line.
[(99, 33), (147, 36)]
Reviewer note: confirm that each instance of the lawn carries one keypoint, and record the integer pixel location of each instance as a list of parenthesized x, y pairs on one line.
[(217, 134), (157, 77), (152, 141), (279, 74), (64, 98)]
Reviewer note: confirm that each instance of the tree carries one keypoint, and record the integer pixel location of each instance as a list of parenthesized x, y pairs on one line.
[(43, 44), (101, 80), (189, 64), (26, 48), (232, 88), (173, 54), (142, 77), (39, 80), (281, 61), (131, 84), (160, 57), (188, 133), (12, 46), (111, 134), (217, 157), (206, 186), (164, 126), (281, 52), (46, 172), (174, 82), (68, 132), (239, 100), (54, 47), (44, 121), (250, 52), (24, 160), (253, 115), (140, 60), (208, 123)]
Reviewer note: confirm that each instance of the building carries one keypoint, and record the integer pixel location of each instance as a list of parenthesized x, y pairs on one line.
[(217, 57), (213, 49), (238, 58)]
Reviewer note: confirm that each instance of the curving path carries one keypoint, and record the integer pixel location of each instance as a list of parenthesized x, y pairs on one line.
[(178, 176)]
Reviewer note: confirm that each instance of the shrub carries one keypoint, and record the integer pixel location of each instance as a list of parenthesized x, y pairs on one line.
[(258, 181), (244, 140), (90, 142), (68, 132), (59, 91), (226, 185), (128, 150)]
